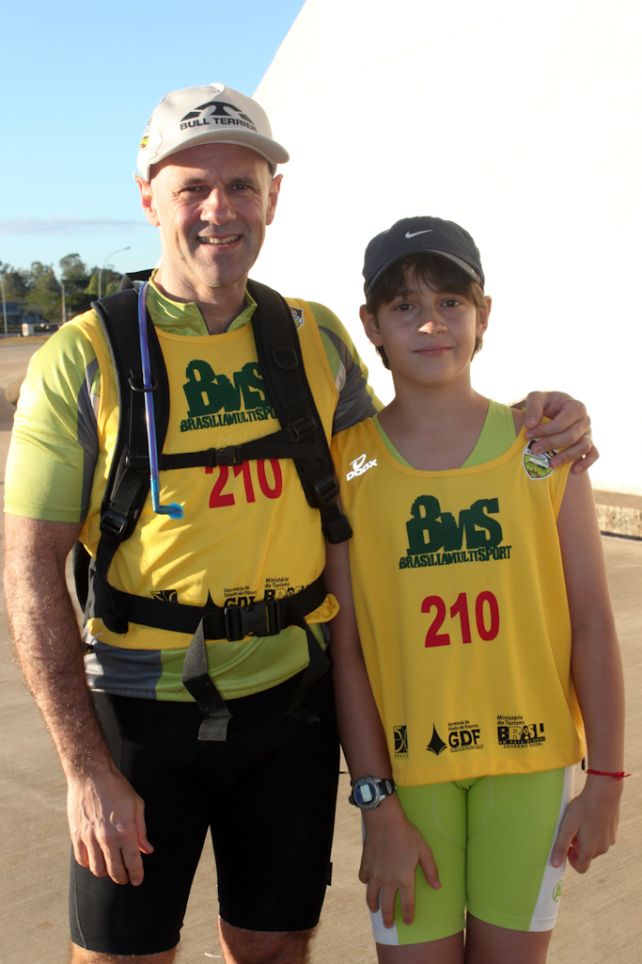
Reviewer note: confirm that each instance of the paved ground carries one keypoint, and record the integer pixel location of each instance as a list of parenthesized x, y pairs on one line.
[(600, 914)]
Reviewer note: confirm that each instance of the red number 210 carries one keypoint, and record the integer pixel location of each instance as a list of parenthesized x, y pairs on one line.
[(270, 481), (486, 618)]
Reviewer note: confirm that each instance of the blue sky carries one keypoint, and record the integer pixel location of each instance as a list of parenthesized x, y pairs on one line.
[(79, 81)]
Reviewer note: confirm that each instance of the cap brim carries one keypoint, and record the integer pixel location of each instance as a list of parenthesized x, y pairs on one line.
[(272, 151), (470, 271)]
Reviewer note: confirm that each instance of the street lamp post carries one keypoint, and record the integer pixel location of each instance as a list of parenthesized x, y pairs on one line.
[(4, 307), (104, 265), (63, 306)]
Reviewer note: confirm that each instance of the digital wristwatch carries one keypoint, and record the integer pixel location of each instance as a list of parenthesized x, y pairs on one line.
[(368, 792)]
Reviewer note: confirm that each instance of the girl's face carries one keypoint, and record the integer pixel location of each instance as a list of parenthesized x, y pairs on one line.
[(428, 335)]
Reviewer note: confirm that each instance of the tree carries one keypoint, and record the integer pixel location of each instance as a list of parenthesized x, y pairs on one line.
[(40, 290), (45, 294), (110, 282), (16, 282), (76, 279)]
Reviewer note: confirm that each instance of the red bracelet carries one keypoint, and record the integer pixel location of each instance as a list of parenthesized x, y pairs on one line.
[(618, 775)]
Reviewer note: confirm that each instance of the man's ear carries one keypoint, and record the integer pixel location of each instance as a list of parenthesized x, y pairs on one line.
[(273, 197), (370, 326), (147, 200)]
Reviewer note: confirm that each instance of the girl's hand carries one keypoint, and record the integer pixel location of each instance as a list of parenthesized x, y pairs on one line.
[(589, 826), (392, 849)]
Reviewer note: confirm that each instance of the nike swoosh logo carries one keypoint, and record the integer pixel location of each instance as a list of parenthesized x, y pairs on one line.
[(413, 234)]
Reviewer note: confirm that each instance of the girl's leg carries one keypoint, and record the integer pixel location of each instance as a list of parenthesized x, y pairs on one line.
[(436, 934), (448, 950), (488, 944), (513, 891)]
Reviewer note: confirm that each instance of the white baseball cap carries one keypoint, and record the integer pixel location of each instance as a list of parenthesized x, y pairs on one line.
[(205, 115)]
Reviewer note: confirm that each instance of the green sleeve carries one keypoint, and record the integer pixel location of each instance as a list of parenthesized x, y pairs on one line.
[(54, 444), (356, 399)]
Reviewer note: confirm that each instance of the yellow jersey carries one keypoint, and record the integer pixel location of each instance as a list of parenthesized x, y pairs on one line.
[(462, 609)]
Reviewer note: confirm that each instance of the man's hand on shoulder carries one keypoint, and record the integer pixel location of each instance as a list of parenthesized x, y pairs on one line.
[(568, 431)]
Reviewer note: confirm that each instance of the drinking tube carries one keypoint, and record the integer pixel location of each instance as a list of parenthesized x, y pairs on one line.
[(173, 509)]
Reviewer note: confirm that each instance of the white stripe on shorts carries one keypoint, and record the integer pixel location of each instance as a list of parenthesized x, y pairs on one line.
[(548, 901)]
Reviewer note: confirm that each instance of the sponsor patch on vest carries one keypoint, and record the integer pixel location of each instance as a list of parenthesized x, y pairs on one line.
[(215, 400), (438, 538), (436, 744), (297, 316), (359, 466), (166, 595), (537, 466), (516, 733), (464, 735), (400, 737)]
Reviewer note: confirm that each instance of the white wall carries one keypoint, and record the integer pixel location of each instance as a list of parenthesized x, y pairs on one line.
[(521, 121)]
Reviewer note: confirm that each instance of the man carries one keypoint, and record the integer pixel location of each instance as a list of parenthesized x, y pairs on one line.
[(145, 780)]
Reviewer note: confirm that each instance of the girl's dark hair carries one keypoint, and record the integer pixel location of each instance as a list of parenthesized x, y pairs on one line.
[(437, 272)]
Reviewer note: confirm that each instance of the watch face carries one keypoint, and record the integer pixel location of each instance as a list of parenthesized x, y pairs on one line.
[(364, 793)]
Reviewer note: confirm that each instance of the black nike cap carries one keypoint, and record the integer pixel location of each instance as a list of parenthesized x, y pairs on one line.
[(421, 235)]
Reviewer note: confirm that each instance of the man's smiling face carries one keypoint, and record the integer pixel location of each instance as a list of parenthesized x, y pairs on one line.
[(211, 204)]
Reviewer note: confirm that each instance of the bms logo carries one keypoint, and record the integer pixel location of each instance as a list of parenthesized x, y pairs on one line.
[(216, 114), (359, 466)]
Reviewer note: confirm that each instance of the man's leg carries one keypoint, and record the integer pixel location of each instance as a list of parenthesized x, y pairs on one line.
[(153, 744), (81, 956), (272, 827), (261, 947)]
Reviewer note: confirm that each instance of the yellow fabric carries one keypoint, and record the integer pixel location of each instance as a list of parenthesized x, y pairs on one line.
[(54, 449), (246, 535), (228, 512), (462, 611)]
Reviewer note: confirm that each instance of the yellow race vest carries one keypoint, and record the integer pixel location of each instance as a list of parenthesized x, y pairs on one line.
[(462, 610), (247, 532)]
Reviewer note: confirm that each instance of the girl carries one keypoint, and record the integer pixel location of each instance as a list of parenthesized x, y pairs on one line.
[(479, 661)]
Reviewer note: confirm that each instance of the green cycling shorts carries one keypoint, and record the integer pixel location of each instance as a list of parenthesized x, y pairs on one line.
[(491, 838)]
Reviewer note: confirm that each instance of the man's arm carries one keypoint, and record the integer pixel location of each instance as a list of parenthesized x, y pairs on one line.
[(106, 816), (569, 428), (356, 398)]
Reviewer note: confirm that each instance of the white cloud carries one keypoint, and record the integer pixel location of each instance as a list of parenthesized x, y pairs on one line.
[(65, 225)]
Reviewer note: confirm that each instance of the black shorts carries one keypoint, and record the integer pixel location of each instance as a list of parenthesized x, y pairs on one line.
[(267, 796)]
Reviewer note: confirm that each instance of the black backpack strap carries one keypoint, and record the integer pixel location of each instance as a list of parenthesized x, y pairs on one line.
[(129, 279), (128, 481), (300, 437), (281, 364), (264, 618)]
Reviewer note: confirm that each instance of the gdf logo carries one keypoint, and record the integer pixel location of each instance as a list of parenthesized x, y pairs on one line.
[(464, 738), (359, 466)]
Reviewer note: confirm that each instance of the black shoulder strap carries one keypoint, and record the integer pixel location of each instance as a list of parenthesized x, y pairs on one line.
[(130, 277), (281, 364), (301, 436), (128, 480)]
